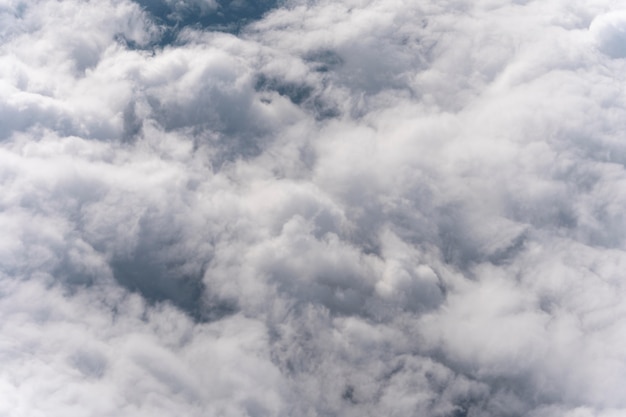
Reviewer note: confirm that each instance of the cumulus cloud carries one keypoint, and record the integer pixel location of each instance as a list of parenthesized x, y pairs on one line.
[(609, 31), (312, 208)]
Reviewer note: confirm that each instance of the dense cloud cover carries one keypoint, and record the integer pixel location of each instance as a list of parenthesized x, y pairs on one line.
[(312, 208)]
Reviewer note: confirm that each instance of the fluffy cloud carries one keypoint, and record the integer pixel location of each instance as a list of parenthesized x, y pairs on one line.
[(342, 208)]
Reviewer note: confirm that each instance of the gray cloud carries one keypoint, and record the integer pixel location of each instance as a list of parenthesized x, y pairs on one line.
[(312, 208)]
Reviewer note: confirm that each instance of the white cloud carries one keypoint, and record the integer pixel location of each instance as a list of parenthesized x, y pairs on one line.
[(609, 32), (349, 208)]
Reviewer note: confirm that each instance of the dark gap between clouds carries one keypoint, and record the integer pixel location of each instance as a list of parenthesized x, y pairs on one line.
[(229, 16), (161, 281), (300, 94)]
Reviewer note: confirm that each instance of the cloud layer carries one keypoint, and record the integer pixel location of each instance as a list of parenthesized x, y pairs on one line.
[(324, 208)]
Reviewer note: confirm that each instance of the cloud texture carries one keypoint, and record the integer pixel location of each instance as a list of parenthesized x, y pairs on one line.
[(324, 208)]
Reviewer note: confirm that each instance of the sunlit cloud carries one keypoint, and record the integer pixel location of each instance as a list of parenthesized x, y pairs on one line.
[(312, 208)]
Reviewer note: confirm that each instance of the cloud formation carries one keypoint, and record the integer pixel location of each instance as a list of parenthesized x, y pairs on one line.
[(312, 208)]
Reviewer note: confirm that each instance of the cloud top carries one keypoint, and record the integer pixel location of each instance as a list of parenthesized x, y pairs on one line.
[(312, 208), (609, 31)]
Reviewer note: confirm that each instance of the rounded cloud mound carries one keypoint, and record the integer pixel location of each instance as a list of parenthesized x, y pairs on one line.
[(609, 32)]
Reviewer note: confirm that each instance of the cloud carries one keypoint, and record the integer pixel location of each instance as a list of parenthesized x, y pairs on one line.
[(312, 208), (108, 353), (609, 31)]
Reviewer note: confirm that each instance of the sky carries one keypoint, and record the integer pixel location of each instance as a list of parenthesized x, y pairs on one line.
[(312, 208)]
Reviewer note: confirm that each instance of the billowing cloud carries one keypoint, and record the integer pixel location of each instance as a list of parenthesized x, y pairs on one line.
[(312, 208)]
